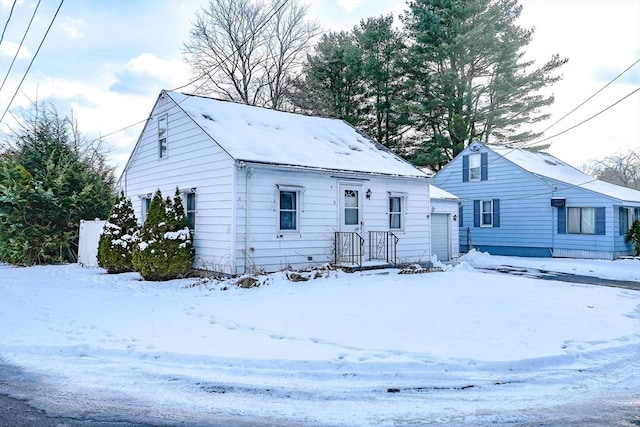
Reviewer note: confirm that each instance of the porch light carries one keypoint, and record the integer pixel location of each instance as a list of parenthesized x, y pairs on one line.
[(455, 218), (368, 193)]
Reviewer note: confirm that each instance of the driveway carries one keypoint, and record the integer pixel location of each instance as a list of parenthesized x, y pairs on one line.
[(562, 277)]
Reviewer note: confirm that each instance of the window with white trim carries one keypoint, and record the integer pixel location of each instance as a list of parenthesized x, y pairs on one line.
[(189, 205), (475, 162), (145, 202), (581, 220), (162, 136), (486, 213), (396, 221), (289, 208)]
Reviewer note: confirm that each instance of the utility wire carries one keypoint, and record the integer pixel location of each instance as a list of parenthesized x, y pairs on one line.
[(588, 99), (589, 118), (32, 59), (8, 19), (20, 46), (280, 7)]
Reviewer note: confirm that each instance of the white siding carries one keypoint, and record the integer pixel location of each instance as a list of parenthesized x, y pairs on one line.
[(193, 160), (313, 244)]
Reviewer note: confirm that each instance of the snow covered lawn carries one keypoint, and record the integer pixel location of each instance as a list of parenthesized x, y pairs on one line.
[(372, 348)]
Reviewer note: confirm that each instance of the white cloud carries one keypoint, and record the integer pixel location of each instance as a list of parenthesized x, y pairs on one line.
[(349, 5), (74, 28), (6, 4), (148, 63), (9, 49)]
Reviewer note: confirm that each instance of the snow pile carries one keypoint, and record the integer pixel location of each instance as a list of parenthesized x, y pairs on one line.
[(457, 347)]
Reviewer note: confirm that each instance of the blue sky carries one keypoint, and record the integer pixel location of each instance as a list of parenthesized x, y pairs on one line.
[(107, 60)]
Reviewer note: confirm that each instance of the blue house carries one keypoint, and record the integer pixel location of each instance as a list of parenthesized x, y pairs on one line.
[(524, 203)]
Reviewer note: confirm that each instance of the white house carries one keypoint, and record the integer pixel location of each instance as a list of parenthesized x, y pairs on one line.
[(266, 189)]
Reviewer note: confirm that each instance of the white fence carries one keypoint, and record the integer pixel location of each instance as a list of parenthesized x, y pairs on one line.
[(90, 231)]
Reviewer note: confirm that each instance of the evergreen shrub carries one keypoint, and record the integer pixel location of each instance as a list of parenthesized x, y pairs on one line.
[(115, 247), (634, 236), (164, 248)]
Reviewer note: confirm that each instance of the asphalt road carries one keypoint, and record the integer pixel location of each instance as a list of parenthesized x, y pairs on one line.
[(562, 277)]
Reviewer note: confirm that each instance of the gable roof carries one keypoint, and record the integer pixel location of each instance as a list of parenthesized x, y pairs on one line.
[(261, 135), (544, 165), (439, 193)]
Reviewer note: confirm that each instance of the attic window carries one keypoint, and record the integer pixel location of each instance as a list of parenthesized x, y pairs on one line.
[(162, 136)]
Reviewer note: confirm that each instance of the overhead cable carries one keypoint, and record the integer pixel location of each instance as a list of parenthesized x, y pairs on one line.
[(8, 19), (20, 45), (32, 59)]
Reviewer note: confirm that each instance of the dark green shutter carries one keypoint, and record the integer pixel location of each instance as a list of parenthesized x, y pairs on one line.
[(496, 212)]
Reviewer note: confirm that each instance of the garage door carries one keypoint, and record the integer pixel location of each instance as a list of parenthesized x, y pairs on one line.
[(440, 236)]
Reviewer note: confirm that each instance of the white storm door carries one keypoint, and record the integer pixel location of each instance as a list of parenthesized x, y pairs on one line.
[(350, 208)]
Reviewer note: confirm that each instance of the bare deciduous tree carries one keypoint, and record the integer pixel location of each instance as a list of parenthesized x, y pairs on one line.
[(247, 50), (621, 169)]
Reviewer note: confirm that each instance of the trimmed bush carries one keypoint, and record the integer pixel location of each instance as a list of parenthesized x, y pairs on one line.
[(633, 237), (164, 248), (115, 247)]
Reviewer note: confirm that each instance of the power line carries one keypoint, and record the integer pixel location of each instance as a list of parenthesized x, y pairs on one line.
[(8, 19), (20, 46), (588, 99), (32, 59), (589, 118), (275, 11)]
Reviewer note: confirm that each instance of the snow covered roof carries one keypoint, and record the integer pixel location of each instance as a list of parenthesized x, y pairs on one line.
[(439, 193), (547, 166), (255, 134)]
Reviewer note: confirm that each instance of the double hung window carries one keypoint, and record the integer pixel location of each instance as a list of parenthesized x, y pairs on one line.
[(395, 213), (581, 220)]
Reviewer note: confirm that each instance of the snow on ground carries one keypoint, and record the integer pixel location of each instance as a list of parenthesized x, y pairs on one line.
[(459, 347)]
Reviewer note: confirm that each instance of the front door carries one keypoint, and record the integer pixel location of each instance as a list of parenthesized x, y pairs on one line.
[(351, 208)]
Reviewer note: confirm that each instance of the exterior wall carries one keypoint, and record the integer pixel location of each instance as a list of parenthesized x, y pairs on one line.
[(260, 244), (193, 160), (449, 207), (528, 223), (525, 214)]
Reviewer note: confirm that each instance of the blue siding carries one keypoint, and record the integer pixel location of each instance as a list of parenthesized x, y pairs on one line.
[(525, 224)]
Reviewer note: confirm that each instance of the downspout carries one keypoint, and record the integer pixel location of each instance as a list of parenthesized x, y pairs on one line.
[(554, 226), (247, 188)]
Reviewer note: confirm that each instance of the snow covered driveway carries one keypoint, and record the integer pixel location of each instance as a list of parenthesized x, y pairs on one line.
[(373, 348)]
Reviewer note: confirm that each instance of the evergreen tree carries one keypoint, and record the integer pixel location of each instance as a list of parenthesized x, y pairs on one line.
[(333, 83), (164, 248), (51, 177), (383, 115), (116, 243), (466, 77)]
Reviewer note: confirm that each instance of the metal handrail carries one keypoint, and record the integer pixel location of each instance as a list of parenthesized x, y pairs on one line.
[(383, 245), (349, 247)]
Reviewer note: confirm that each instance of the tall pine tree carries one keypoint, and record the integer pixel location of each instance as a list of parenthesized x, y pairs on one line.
[(467, 79)]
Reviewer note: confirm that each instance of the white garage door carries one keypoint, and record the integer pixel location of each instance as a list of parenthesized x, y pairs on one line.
[(440, 236)]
